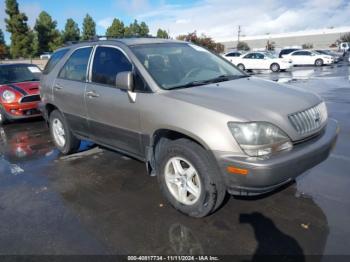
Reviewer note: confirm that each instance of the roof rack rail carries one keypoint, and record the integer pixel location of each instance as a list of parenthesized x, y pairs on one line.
[(105, 37)]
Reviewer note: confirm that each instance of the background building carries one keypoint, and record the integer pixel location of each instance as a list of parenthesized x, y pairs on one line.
[(321, 38)]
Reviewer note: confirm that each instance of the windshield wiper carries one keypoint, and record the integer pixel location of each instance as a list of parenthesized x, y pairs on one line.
[(190, 84), (217, 79)]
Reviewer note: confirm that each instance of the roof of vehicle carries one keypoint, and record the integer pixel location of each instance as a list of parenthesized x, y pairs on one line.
[(128, 41), (303, 50)]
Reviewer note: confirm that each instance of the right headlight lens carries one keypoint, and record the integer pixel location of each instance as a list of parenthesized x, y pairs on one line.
[(259, 138), (8, 96)]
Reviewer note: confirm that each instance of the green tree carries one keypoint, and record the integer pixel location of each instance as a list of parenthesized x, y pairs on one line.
[(3, 47), (89, 28), (162, 34), (2, 38), (143, 29), (243, 46), (21, 35), (48, 37), (116, 29), (135, 28), (202, 40), (128, 32), (71, 31)]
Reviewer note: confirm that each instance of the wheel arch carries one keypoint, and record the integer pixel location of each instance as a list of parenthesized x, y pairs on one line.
[(160, 137), (49, 108)]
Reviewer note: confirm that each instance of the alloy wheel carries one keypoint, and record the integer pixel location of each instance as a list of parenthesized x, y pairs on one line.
[(182, 180), (58, 132)]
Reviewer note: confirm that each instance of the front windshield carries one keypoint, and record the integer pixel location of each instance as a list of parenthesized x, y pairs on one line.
[(19, 73), (179, 65)]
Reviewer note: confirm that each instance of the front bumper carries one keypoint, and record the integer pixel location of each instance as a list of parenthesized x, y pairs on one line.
[(265, 175), (16, 111)]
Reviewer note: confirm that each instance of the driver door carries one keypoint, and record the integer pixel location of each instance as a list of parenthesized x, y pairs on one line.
[(309, 58), (260, 61), (249, 61), (298, 58), (113, 119)]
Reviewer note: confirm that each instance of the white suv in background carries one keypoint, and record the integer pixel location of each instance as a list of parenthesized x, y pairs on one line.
[(308, 57), (262, 61)]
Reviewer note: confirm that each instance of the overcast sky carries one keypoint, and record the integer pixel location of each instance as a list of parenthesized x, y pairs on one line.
[(216, 18)]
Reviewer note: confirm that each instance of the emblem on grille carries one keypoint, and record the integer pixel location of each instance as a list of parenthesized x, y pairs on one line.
[(317, 117)]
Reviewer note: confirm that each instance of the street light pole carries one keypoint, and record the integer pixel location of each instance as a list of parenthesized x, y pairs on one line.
[(238, 35)]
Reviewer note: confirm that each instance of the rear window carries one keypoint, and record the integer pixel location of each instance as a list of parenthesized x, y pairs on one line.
[(55, 58)]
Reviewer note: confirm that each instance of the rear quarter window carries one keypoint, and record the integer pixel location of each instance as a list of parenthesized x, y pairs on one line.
[(55, 58)]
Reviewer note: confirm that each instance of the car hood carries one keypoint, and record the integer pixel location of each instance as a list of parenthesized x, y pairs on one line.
[(24, 88), (250, 99)]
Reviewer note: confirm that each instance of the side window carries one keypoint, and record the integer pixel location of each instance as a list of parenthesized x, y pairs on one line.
[(76, 65), (249, 56), (234, 54), (108, 62), (259, 56), (297, 53), (55, 58), (307, 53)]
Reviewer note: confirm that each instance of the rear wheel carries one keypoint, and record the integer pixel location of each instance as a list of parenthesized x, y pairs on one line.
[(318, 62), (275, 67), (63, 138), (189, 179), (241, 67)]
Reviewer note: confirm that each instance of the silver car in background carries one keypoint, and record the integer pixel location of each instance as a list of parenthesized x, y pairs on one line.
[(201, 125)]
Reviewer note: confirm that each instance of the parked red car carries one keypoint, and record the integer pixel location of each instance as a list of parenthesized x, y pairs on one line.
[(19, 91)]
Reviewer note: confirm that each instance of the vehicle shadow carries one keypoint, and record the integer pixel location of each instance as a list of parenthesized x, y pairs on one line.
[(271, 240)]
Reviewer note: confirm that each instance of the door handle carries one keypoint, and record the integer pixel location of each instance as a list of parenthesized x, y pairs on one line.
[(58, 87), (92, 94)]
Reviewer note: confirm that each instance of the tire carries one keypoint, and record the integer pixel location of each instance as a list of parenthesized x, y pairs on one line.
[(71, 143), (275, 67), (241, 67), (3, 118), (207, 178), (319, 62)]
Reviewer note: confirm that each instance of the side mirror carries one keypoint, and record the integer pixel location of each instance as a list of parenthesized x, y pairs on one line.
[(125, 81)]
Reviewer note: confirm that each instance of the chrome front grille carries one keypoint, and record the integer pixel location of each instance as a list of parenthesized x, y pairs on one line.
[(310, 119)]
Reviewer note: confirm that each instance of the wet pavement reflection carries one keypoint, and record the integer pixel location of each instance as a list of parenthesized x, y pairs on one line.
[(100, 202)]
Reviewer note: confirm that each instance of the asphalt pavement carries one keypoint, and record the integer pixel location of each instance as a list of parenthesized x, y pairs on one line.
[(101, 202)]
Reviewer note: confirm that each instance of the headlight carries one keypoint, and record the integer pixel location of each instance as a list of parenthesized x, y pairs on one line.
[(8, 96), (259, 138)]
